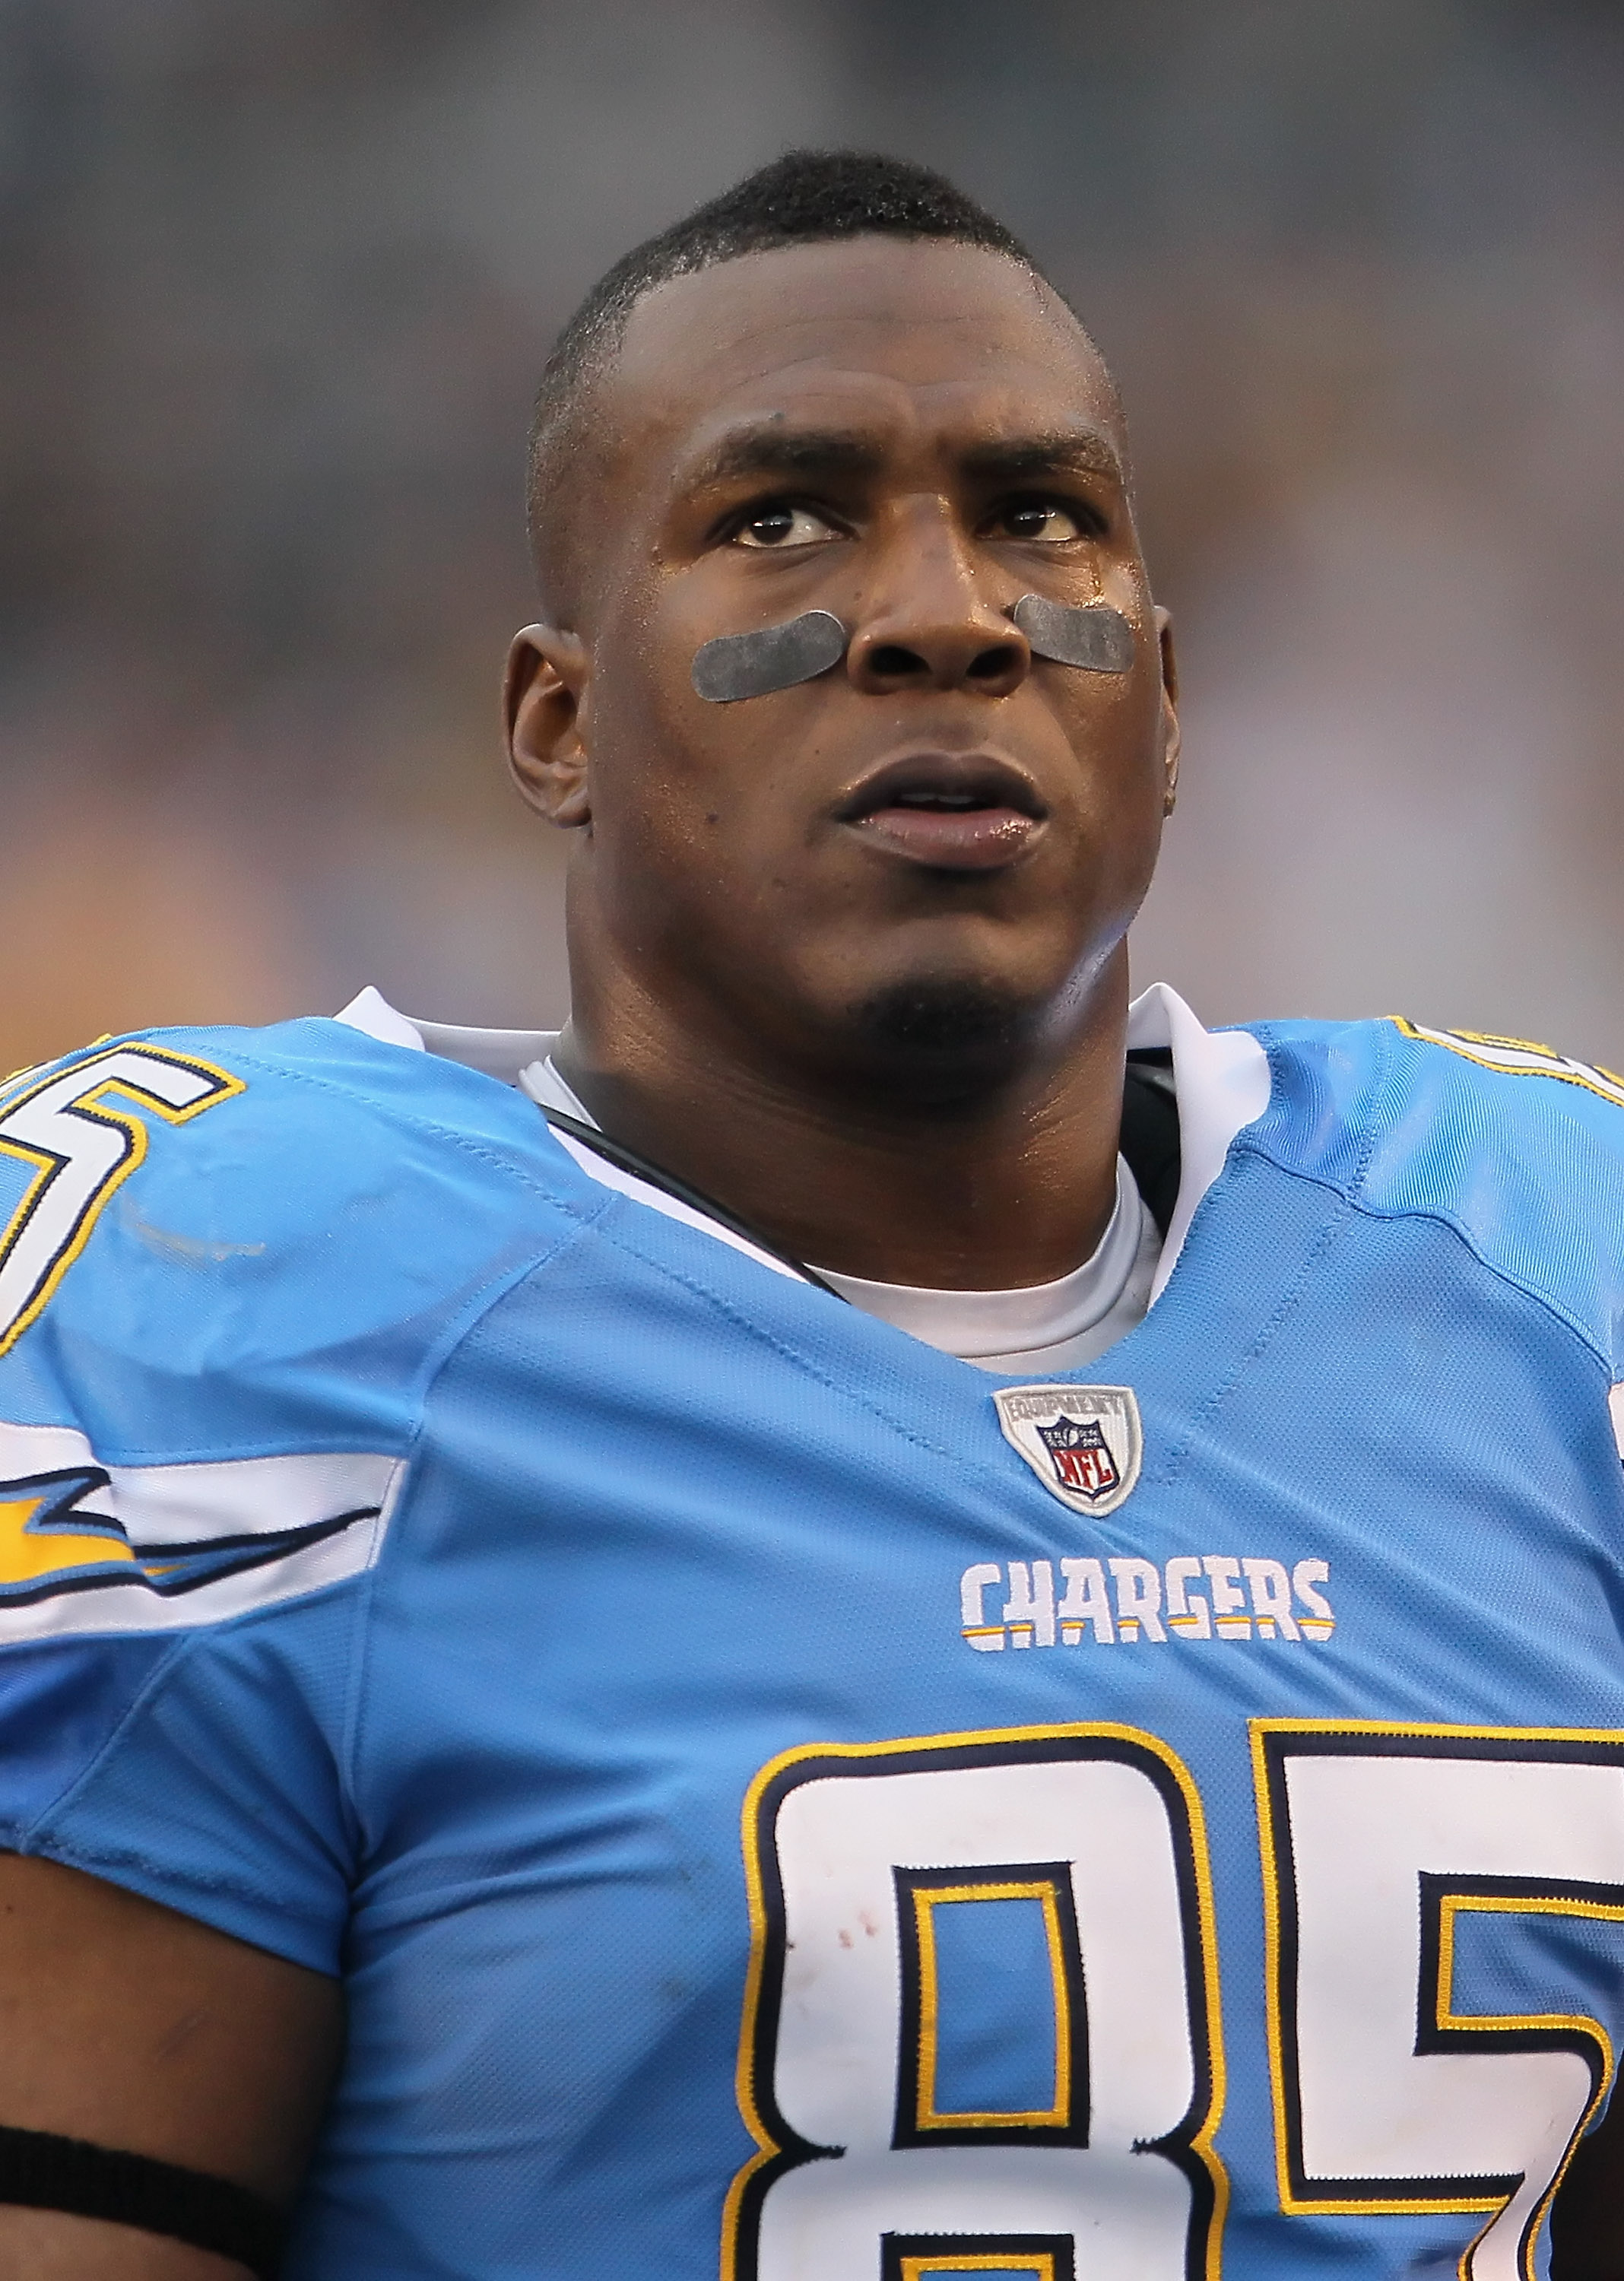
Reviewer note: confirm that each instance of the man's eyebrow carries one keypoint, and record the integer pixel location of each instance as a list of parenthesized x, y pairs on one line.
[(1062, 452), (774, 449)]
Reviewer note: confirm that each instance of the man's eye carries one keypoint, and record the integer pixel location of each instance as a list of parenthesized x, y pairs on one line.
[(1041, 518), (783, 526)]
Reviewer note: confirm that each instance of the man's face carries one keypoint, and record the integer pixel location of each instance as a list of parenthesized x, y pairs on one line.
[(944, 830)]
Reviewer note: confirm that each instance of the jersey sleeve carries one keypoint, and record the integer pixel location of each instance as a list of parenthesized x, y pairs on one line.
[(229, 1266), (1528, 1156), (1518, 1147)]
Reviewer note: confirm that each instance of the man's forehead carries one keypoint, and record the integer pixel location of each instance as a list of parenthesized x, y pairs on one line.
[(879, 333)]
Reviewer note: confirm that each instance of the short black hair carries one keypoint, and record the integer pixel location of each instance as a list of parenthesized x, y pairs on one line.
[(806, 198)]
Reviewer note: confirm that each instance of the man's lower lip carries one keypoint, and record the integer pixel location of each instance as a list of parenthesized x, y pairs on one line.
[(953, 838)]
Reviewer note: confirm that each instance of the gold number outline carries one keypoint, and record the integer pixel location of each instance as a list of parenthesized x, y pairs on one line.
[(778, 2149), (48, 1165), (1605, 1084), (1271, 1741)]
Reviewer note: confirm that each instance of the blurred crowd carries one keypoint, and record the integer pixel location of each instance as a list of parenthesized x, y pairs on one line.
[(276, 279)]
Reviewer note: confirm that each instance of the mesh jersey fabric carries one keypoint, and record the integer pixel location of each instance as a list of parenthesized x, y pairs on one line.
[(755, 1813)]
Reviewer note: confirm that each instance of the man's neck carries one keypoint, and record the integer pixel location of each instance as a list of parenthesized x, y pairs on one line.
[(1012, 1187)]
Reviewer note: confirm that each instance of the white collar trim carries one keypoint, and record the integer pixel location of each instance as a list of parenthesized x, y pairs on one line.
[(1221, 1076), (1223, 1082)]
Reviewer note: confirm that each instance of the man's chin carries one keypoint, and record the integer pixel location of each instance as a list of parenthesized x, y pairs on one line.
[(944, 1040)]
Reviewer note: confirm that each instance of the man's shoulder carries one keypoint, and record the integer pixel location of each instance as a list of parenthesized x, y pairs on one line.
[(1437, 1101), (1517, 1145), (197, 1203)]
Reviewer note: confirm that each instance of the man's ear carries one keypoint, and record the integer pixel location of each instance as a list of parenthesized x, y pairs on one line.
[(544, 698), (1170, 709)]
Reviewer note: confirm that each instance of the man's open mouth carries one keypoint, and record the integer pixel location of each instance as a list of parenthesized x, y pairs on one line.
[(949, 811)]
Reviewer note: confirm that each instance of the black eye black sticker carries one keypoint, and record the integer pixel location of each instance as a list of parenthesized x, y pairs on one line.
[(777, 657), (1096, 638)]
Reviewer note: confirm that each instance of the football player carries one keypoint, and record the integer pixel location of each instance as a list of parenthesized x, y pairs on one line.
[(876, 1614)]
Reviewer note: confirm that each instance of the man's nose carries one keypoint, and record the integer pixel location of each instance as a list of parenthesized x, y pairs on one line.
[(931, 627)]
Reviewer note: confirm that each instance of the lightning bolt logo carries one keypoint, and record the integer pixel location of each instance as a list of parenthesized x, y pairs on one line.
[(53, 1540)]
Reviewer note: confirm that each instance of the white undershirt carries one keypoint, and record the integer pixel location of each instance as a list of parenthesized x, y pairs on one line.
[(1059, 1326), (1039, 1327)]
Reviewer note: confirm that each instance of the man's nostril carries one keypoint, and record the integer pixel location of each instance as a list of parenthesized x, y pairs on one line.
[(895, 662), (992, 664)]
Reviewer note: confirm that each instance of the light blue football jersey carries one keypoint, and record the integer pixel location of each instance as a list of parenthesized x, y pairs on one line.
[(784, 1801)]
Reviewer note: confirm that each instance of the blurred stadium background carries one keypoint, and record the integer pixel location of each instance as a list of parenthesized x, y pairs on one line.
[(277, 276)]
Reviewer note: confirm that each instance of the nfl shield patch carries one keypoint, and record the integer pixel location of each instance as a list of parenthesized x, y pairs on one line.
[(1084, 1442)]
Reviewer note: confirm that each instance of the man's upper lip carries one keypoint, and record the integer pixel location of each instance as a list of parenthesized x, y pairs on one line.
[(980, 777)]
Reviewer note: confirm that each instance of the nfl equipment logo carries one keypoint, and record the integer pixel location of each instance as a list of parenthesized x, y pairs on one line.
[(1082, 1457), (1084, 1442)]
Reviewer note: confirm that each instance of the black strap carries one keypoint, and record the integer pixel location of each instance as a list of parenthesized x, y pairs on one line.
[(615, 1152), (40, 2170), (1150, 1129), (1149, 1142)]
